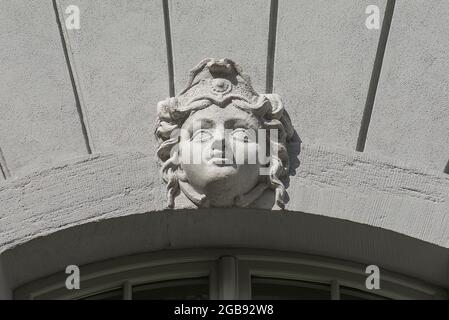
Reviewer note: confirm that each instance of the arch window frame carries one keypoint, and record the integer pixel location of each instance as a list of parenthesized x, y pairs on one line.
[(230, 273)]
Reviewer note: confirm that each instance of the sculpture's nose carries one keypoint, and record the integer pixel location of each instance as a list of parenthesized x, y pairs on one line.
[(219, 143)]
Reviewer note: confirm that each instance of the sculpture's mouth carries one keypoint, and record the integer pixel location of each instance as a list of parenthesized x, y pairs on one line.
[(220, 158), (221, 161)]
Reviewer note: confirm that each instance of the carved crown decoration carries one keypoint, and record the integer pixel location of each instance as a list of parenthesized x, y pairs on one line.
[(210, 134)]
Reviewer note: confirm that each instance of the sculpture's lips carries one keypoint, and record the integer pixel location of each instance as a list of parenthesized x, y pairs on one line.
[(220, 161), (219, 157)]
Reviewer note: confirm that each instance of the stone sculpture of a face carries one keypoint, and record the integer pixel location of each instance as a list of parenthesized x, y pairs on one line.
[(215, 137), (218, 136)]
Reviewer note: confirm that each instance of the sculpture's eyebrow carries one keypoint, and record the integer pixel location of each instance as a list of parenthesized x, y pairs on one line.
[(201, 123), (247, 123)]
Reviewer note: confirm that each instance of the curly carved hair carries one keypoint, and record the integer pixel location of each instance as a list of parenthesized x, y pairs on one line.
[(268, 108)]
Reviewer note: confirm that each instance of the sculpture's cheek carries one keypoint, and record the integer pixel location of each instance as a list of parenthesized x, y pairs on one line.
[(246, 153), (192, 152)]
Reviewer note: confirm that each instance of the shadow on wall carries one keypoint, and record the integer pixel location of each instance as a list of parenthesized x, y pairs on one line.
[(294, 150)]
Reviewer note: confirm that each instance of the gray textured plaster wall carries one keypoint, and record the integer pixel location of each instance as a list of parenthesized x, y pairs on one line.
[(411, 113), (99, 96), (39, 122), (120, 61), (234, 29), (323, 59)]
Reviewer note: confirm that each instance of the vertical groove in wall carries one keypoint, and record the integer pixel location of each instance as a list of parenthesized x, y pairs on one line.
[(272, 30), (168, 41), (3, 167), (383, 39), (73, 78), (446, 170)]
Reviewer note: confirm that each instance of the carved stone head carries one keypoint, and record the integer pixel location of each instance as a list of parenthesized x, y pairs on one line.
[(221, 143)]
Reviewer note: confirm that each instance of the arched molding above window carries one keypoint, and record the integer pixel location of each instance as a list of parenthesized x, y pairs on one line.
[(343, 204), (330, 182), (229, 274), (208, 229)]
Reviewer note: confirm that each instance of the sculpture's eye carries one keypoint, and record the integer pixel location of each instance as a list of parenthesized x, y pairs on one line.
[(241, 135), (201, 135)]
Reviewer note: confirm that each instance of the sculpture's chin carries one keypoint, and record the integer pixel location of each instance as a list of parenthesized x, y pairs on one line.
[(220, 185), (220, 202), (221, 190)]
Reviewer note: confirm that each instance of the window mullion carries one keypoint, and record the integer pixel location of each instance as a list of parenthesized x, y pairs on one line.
[(127, 291), (335, 290), (227, 278)]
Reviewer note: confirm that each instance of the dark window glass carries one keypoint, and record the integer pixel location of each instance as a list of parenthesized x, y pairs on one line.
[(184, 289), (279, 289), (116, 294), (355, 294)]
